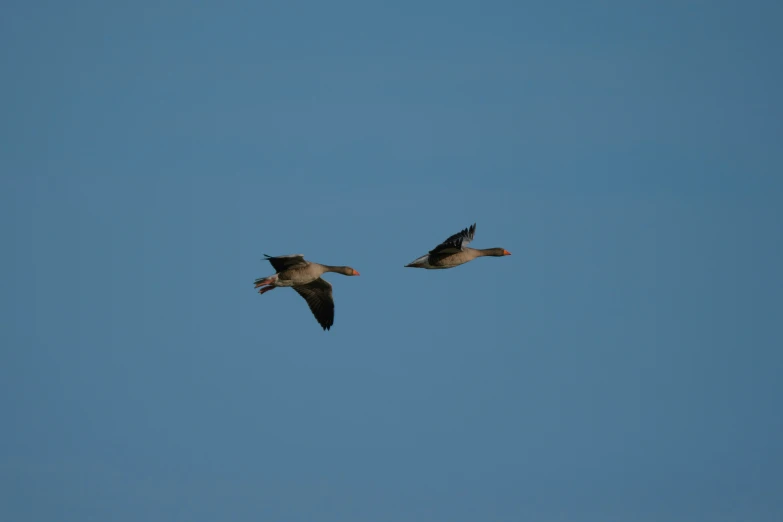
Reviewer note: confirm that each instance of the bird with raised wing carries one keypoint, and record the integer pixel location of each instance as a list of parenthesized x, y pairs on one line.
[(455, 251), (305, 277)]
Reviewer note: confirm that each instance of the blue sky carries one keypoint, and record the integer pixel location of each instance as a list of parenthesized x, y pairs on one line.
[(623, 364)]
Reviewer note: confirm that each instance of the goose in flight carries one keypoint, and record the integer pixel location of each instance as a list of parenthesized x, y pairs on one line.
[(455, 251), (305, 277)]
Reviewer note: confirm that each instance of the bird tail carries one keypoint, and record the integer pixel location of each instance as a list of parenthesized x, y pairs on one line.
[(261, 281), (421, 262)]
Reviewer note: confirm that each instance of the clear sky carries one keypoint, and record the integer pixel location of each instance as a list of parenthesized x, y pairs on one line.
[(624, 364)]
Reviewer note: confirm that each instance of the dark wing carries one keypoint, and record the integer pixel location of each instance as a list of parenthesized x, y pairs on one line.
[(455, 243), (280, 263), (318, 295)]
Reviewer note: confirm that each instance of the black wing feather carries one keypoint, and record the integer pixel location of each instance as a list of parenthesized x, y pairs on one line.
[(455, 243), (280, 263), (318, 295)]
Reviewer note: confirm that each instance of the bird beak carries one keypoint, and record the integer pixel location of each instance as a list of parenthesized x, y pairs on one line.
[(506, 253), (355, 272)]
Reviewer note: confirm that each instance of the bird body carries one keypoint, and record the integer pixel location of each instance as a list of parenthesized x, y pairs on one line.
[(454, 252), (305, 277), (451, 259)]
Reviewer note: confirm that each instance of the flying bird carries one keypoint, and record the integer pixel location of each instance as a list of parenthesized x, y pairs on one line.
[(305, 277), (455, 251)]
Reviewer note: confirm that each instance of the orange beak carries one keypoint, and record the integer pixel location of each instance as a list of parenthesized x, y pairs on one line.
[(506, 253), (355, 272)]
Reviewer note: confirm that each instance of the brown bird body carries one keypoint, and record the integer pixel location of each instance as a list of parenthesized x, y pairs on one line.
[(454, 252), (305, 277)]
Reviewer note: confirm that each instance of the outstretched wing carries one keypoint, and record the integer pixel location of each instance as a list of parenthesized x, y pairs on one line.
[(318, 295), (280, 263), (455, 243)]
